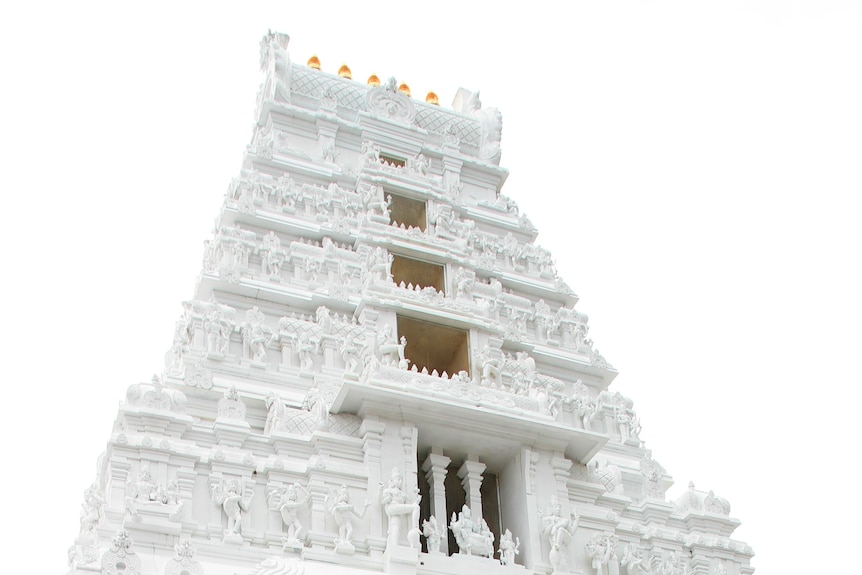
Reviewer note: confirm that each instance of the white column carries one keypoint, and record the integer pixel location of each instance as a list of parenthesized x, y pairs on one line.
[(435, 466), (471, 479)]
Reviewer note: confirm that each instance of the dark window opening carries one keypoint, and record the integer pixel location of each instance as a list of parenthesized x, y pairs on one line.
[(434, 346), (418, 273), (406, 211)]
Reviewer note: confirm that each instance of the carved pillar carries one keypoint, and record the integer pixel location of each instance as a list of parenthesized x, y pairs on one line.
[(471, 479), (435, 472), (372, 437), (318, 536), (186, 483), (214, 522), (408, 443), (562, 467), (330, 354)]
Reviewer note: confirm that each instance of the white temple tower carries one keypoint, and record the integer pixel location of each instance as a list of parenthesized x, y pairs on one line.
[(381, 371)]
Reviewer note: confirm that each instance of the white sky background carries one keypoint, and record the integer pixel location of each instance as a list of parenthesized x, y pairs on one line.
[(694, 168)]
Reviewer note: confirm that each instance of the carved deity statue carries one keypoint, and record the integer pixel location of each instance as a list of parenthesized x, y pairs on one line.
[(91, 513), (272, 256), (491, 367), (343, 511), (559, 531), (275, 63), (379, 265), (420, 165), (255, 335), (601, 550), (585, 407), (233, 499), (275, 414), (289, 502), (307, 347), (463, 284), (508, 548), (398, 508), (473, 537), (433, 534), (217, 328), (633, 560)]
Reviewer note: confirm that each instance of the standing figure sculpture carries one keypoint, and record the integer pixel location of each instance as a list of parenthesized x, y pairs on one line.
[(233, 500), (508, 548), (433, 534), (91, 514), (290, 501), (560, 531), (397, 508), (341, 510)]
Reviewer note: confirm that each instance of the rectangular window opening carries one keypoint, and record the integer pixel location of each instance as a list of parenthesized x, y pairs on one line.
[(391, 160), (433, 346), (406, 211), (418, 273)]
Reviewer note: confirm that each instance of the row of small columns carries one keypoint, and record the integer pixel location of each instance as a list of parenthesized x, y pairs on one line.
[(373, 80), (470, 473)]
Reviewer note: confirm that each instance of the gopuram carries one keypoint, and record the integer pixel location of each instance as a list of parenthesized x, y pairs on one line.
[(380, 371)]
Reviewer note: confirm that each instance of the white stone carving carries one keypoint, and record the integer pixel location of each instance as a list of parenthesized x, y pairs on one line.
[(272, 256), (155, 397), (420, 165), (230, 406), (433, 534), (387, 102), (584, 406), (291, 502), (174, 357), (328, 149), (184, 562), (199, 376), (473, 536), (634, 560), (653, 473), (278, 566), (255, 336), (559, 532), (371, 152), (275, 414), (234, 498), (508, 548), (120, 559), (275, 63), (390, 350), (607, 474), (218, 324), (463, 282), (400, 511), (672, 564), (91, 514), (491, 363), (145, 494), (694, 501), (601, 549), (343, 511)]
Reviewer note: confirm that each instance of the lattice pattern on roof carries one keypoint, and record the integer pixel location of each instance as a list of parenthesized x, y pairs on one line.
[(351, 95)]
